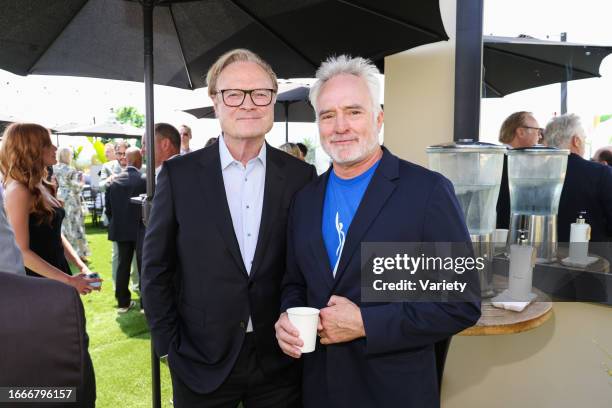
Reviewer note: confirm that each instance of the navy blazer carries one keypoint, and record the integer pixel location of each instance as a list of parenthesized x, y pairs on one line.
[(394, 365), (123, 216), (587, 186), (197, 293)]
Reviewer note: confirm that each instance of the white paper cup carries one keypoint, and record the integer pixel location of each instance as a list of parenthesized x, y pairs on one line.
[(305, 320)]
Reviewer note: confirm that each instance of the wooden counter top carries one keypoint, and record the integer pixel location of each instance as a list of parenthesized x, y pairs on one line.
[(496, 321)]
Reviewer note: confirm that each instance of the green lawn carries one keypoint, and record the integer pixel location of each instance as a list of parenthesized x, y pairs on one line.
[(119, 344)]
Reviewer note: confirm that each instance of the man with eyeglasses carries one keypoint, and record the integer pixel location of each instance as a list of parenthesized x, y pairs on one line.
[(521, 129), (217, 231)]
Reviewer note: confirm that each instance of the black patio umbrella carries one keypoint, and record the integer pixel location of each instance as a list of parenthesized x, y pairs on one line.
[(103, 38), (291, 106), (516, 64)]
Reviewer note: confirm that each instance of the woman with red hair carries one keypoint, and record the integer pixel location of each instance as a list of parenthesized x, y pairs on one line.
[(32, 208)]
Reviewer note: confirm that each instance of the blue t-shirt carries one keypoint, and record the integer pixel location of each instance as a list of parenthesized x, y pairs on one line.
[(342, 198)]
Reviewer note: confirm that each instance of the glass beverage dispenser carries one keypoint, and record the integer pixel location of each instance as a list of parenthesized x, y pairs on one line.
[(475, 169), (535, 178)]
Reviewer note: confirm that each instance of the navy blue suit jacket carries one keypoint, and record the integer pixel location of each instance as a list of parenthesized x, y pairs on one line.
[(197, 293), (587, 186), (394, 365), (123, 216)]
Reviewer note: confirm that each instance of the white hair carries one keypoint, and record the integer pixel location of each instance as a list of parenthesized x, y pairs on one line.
[(64, 155), (346, 65), (560, 129)]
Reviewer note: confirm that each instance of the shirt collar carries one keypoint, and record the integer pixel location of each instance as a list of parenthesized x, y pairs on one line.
[(158, 168), (227, 158)]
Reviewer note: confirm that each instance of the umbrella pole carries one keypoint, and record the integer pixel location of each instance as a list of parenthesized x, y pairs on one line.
[(286, 122), (147, 12), (564, 85)]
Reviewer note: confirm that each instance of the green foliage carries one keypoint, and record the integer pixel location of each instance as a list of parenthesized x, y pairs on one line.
[(129, 114), (99, 148), (312, 146), (603, 118), (76, 152)]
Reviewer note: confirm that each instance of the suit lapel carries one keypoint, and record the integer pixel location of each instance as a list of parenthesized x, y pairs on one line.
[(273, 192), (379, 190), (317, 245), (211, 182)]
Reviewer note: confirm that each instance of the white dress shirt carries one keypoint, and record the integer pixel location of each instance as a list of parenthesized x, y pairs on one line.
[(244, 188)]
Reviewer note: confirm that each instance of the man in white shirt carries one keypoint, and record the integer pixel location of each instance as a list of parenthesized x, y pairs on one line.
[(214, 252)]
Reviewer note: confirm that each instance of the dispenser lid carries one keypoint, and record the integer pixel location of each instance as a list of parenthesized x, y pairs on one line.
[(467, 146), (539, 150)]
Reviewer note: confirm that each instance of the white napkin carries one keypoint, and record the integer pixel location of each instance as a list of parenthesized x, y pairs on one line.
[(583, 263), (504, 301)]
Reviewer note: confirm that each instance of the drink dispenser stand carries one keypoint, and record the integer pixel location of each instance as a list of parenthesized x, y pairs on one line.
[(535, 178), (475, 169)]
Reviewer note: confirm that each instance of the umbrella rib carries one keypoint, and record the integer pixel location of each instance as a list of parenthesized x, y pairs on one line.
[(494, 89), (412, 26), (56, 37), (550, 63), (275, 34), (178, 36)]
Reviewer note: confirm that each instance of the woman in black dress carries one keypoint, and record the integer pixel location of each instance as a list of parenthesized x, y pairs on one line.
[(32, 208)]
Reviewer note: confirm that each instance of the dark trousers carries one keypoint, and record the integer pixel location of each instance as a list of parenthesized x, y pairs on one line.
[(122, 290), (246, 383)]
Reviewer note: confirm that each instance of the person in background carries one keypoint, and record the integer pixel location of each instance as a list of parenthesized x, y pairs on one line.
[(11, 260), (603, 155), (587, 186), (303, 148), (33, 209), (211, 141), (292, 149), (121, 164), (185, 132), (521, 129), (167, 145), (111, 167), (69, 192), (123, 222)]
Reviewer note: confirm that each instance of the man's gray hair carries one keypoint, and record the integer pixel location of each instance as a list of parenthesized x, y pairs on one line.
[(343, 65), (560, 129)]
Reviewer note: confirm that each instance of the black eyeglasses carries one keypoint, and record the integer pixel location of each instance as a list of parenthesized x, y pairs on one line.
[(540, 130), (235, 97)]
